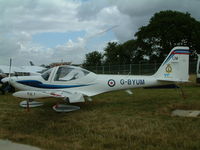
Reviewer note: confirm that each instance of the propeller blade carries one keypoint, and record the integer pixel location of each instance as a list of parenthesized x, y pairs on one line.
[(10, 68)]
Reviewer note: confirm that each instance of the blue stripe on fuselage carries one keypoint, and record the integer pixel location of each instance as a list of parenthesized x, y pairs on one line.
[(38, 84)]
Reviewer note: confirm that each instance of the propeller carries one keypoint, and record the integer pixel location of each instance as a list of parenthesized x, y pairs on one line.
[(10, 69), (6, 86), (10, 88), (6, 81)]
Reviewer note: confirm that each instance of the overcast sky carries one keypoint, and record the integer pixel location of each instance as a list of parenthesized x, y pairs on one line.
[(46, 31)]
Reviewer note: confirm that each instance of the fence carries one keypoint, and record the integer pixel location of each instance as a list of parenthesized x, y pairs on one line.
[(134, 69)]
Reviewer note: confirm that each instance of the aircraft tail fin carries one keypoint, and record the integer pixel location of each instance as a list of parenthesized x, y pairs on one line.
[(31, 63), (175, 67)]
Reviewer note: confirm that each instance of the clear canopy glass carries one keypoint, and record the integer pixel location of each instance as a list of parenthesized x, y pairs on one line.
[(46, 74), (67, 73)]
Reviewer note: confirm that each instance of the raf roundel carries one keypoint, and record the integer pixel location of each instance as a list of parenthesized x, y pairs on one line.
[(111, 82)]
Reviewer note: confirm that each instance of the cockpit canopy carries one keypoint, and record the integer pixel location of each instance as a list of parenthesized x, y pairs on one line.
[(66, 73)]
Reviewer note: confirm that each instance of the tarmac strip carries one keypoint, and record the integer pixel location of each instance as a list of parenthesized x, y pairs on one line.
[(8, 145), (186, 113)]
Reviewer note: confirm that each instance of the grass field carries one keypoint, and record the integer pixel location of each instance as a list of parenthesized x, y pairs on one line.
[(111, 121)]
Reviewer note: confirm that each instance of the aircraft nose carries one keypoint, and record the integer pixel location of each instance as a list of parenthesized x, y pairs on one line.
[(4, 80), (8, 79)]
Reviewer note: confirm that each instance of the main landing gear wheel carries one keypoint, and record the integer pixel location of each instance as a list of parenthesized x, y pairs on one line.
[(30, 104), (65, 108)]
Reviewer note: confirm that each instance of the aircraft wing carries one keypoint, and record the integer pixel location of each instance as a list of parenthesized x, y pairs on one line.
[(73, 97)]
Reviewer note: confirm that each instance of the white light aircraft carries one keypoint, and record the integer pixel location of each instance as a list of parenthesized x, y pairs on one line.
[(27, 70), (74, 83)]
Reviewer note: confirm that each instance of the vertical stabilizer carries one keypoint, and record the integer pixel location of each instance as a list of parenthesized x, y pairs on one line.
[(176, 66)]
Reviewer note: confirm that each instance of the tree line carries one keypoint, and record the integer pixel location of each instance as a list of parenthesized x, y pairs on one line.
[(166, 29)]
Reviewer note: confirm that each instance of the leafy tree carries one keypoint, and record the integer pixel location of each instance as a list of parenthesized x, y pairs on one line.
[(112, 53), (93, 59), (166, 30), (131, 53), (125, 53)]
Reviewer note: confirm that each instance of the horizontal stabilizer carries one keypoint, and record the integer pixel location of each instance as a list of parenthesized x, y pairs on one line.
[(168, 86), (172, 80)]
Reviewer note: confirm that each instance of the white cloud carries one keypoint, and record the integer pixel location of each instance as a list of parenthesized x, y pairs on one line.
[(71, 51), (21, 19), (112, 16)]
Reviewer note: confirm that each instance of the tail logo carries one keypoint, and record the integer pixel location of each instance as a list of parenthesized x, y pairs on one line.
[(168, 69)]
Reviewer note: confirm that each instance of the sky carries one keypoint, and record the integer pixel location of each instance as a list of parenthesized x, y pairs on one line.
[(47, 31)]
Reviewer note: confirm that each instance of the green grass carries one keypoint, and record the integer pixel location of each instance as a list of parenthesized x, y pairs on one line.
[(111, 121)]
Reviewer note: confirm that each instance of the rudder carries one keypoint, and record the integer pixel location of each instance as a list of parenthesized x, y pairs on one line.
[(176, 66)]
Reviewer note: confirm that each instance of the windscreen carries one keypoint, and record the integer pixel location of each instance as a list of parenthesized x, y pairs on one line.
[(46, 74)]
